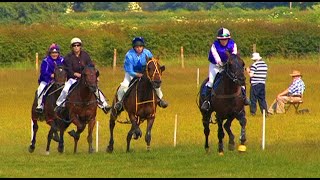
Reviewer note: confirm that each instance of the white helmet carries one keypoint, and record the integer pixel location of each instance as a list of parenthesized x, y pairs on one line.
[(76, 40)]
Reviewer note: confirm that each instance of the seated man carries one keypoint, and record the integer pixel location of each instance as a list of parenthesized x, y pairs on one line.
[(293, 94)]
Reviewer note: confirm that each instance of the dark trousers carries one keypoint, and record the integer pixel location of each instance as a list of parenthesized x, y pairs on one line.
[(258, 93)]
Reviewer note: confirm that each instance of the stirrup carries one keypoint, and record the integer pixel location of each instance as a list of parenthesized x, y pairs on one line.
[(106, 109), (205, 106), (118, 105), (39, 110)]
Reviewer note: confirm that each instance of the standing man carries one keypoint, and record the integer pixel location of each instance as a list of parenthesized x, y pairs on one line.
[(258, 75), (74, 63)]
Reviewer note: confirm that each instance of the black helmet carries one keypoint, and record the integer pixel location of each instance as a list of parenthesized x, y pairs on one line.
[(223, 33), (138, 41)]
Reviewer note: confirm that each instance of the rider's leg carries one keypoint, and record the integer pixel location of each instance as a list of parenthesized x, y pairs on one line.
[(122, 90), (244, 95), (102, 103), (40, 93), (61, 99), (213, 70), (162, 103)]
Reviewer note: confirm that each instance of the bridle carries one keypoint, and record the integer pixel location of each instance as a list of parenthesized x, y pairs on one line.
[(233, 75), (156, 71)]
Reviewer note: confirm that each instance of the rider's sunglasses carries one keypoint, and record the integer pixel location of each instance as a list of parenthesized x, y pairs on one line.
[(76, 45)]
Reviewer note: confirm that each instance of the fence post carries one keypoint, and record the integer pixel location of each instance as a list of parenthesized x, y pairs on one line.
[(182, 58), (198, 74), (114, 59), (254, 48), (175, 131), (37, 63)]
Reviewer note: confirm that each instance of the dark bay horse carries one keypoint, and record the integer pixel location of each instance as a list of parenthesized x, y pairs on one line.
[(81, 106), (51, 94), (227, 103), (140, 102)]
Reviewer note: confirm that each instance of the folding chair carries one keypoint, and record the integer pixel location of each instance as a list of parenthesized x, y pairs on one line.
[(294, 104)]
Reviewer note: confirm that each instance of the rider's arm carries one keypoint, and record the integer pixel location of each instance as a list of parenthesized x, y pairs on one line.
[(68, 65), (128, 65), (215, 55)]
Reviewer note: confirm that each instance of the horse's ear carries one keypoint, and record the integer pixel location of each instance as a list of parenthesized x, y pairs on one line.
[(162, 68)]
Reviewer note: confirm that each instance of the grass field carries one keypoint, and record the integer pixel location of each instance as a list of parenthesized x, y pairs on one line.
[(292, 141)]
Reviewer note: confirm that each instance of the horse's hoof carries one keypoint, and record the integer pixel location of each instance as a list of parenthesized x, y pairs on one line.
[(60, 149), (242, 148), (31, 149), (231, 147), (148, 148), (207, 150), (91, 151), (221, 154), (47, 153), (109, 149)]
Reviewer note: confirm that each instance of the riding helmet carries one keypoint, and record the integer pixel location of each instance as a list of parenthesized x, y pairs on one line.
[(223, 33), (75, 40), (138, 41), (54, 48)]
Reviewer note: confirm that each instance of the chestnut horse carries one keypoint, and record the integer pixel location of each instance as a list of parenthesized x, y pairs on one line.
[(140, 102), (81, 106), (227, 103), (51, 94)]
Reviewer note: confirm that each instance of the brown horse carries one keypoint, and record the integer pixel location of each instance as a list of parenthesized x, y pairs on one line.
[(51, 94), (227, 103), (140, 102), (81, 106)]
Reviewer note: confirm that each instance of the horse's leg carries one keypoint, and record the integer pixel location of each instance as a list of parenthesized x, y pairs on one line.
[(134, 130), (243, 122), (206, 131), (61, 139), (50, 135), (112, 123), (35, 130), (227, 127), (76, 135), (148, 133), (220, 136), (91, 125)]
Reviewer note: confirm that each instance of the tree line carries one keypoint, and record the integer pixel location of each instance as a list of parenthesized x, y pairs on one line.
[(27, 12)]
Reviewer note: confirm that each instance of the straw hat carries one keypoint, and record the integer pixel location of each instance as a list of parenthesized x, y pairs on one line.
[(295, 73), (256, 56)]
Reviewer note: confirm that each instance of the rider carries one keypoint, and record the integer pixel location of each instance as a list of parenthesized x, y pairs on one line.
[(74, 62), (135, 62), (217, 57), (52, 58)]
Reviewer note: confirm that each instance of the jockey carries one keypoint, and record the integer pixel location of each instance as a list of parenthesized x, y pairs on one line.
[(217, 58), (74, 63), (135, 61), (52, 58)]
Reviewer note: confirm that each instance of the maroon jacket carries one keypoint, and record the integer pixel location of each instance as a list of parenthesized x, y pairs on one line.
[(76, 64)]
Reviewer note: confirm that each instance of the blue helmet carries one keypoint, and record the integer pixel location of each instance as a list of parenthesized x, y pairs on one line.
[(138, 41)]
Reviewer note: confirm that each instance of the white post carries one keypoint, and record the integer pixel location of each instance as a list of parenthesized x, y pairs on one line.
[(198, 72), (264, 129), (175, 131), (97, 136), (37, 62), (31, 123), (114, 59)]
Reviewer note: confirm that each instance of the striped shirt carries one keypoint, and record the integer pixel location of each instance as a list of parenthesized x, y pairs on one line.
[(259, 69), (297, 87)]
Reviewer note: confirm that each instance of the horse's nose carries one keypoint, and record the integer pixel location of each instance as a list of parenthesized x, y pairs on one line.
[(93, 88), (156, 83)]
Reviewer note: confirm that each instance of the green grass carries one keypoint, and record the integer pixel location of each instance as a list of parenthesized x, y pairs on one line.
[(291, 148)]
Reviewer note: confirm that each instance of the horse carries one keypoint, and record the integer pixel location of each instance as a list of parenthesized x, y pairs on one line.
[(140, 103), (227, 103), (51, 94), (81, 106)]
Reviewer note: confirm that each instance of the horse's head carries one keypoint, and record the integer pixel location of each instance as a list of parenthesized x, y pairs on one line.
[(89, 77), (60, 75), (235, 69), (154, 71)]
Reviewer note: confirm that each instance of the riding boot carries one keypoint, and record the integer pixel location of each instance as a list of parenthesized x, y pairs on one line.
[(244, 96), (120, 93), (102, 103), (206, 93), (162, 103)]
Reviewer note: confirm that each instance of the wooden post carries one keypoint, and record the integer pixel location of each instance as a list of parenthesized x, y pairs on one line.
[(254, 48), (114, 59), (175, 131), (182, 59), (198, 72), (37, 63)]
